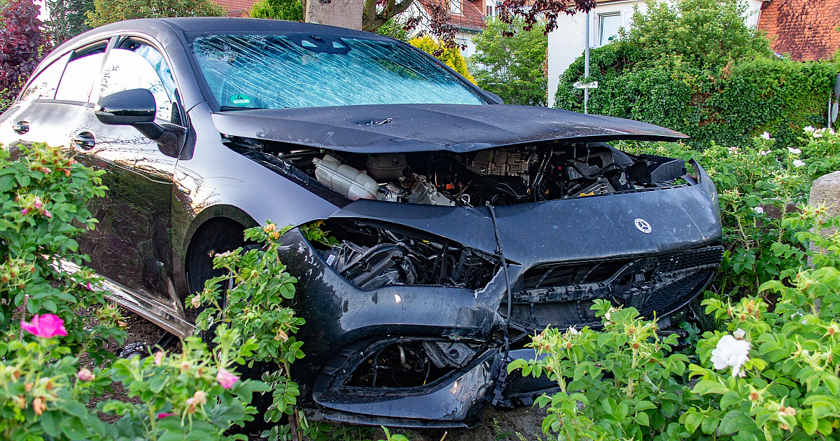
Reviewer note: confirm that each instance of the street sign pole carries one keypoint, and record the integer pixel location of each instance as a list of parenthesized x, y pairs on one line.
[(586, 67)]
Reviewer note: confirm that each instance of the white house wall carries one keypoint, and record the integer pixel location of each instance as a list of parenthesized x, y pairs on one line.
[(566, 43)]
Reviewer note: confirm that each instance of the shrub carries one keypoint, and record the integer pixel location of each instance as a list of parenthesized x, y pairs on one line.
[(278, 9), (450, 55), (110, 11), (511, 66), (257, 304), (44, 198), (21, 44)]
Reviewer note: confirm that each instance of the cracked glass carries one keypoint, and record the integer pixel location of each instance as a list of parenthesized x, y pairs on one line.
[(273, 72)]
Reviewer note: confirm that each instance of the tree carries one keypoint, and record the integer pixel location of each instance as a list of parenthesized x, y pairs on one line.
[(698, 33), (21, 44), (451, 56), (278, 9), (67, 19), (511, 67), (110, 11)]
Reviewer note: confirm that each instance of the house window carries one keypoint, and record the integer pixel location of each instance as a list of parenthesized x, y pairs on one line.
[(490, 11), (455, 6), (608, 27)]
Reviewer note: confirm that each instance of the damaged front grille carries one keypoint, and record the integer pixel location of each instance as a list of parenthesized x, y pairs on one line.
[(408, 364), (562, 294)]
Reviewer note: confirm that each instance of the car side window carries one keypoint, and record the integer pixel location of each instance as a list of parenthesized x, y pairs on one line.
[(136, 65), (81, 73), (43, 87)]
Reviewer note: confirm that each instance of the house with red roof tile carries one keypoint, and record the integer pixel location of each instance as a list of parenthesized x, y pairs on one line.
[(803, 30), (237, 8)]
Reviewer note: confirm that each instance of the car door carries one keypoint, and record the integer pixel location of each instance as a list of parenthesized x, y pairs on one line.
[(51, 111), (131, 243)]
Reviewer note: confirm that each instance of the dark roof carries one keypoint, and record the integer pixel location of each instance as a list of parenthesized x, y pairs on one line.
[(804, 29)]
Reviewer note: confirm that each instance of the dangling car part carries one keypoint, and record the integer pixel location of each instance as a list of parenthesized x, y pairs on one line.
[(460, 224)]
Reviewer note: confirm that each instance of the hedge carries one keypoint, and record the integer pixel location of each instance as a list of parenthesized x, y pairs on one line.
[(728, 106)]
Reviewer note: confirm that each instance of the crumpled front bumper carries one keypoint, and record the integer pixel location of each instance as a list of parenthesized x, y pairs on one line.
[(346, 325)]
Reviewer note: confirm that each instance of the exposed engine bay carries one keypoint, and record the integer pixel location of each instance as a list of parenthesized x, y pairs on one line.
[(502, 176)]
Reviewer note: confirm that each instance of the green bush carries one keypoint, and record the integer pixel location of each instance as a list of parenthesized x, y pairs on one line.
[(723, 87), (44, 391), (451, 56), (511, 67)]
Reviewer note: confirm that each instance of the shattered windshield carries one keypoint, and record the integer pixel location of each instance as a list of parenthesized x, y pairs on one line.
[(272, 72)]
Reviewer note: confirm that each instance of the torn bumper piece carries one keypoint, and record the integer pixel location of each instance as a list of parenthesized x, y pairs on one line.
[(445, 403)]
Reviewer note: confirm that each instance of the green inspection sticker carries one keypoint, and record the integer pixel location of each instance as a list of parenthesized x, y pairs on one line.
[(240, 100)]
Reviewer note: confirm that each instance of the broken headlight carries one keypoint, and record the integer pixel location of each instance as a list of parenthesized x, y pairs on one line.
[(371, 257)]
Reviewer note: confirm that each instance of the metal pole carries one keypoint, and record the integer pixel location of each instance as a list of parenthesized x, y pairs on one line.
[(586, 67)]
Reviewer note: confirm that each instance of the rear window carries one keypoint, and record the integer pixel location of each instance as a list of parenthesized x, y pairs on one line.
[(270, 71)]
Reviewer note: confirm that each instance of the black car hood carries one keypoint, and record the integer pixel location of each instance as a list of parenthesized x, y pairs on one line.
[(398, 128)]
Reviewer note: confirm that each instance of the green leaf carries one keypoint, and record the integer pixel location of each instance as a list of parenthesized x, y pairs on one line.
[(832, 383), (808, 421), (642, 419), (644, 405), (705, 387), (50, 425), (692, 421), (729, 399)]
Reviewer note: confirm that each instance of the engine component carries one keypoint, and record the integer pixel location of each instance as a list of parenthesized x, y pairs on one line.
[(385, 167), (502, 163), (449, 354), (345, 180), (426, 193)]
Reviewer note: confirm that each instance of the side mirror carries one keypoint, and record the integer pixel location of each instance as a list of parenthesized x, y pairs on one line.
[(128, 107), (134, 107)]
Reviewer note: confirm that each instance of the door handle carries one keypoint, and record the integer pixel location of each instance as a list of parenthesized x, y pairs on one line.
[(84, 140), (21, 127)]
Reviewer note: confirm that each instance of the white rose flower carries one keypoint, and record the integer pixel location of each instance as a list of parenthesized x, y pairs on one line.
[(739, 334), (573, 331), (733, 150), (809, 129), (758, 210), (731, 353), (766, 135), (795, 151), (764, 152), (798, 163), (817, 135)]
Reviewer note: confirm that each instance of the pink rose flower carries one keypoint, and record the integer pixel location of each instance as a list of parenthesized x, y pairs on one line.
[(163, 415), (24, 211), (45, 326), (158, 358), (47, 214), (85, 375), (38, 203), (226, 379)]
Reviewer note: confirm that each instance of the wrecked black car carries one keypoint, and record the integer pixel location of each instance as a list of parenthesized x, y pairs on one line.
[(462, 225)]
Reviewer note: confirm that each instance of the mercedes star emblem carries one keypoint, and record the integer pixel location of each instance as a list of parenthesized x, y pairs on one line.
[(643, 226)]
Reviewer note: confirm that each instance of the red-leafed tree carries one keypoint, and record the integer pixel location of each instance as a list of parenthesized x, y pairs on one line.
[(21, 44)]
